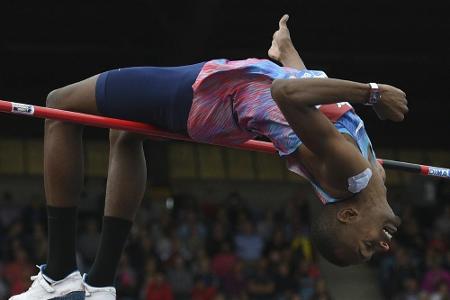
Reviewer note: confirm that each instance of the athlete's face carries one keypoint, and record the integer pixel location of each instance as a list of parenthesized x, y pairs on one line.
[(371, 235), (367, 229)]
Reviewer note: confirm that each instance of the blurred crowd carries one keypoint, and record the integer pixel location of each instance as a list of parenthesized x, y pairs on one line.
[(181, 249), (418, 267)]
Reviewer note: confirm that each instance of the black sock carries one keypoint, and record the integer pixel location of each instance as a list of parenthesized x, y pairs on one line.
[(62, 229), (114, 235)]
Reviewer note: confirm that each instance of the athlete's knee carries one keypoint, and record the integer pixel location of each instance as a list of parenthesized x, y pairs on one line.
[(124, 138), (59, 99), (55, 99)]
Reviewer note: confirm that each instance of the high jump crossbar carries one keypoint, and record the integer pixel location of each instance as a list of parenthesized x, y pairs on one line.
[(150, 130)]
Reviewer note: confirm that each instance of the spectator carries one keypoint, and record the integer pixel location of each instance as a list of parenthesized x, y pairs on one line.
[(195, 242), (39, 241), (285, 283), (277, 242), (249, 245), (164, 246), (151, 267), (435, 276), (235, 283), (204, 273), (88, 241), (321, 291), (217, 236), (441, 292), (180, 279), (16, 234), (437, 243), (266, 226), (400, 267), (261, 286), (203, 290), (411, 234), (10, 210), (126, 280), (224, 261), (140, 247), (191, 227), (157, 288), (301, 246), (222, 219), (306, 276), (179, 248), (410, 290), (18, 272)]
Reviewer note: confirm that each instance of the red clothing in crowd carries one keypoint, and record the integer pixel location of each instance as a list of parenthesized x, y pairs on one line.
[(223, 263), (204, 293), (159, 291)]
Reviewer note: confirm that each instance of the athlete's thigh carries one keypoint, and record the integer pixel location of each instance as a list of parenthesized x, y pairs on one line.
[(79, 96)]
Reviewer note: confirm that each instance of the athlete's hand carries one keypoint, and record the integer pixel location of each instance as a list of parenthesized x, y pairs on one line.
[(281, 41), (392, 104)]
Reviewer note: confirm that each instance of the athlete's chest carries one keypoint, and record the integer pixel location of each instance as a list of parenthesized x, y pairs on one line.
[(319, 171)]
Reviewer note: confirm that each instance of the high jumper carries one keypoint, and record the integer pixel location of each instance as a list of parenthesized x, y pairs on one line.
[(306, 115)]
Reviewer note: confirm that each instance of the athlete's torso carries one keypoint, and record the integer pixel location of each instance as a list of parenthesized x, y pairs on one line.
[(232, 103)]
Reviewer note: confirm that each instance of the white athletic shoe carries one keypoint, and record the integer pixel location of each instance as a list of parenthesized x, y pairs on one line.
[(44, 288), (98, 293)]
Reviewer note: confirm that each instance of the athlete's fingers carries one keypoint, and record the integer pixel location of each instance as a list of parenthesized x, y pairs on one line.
[(283, 21), (400, 91), (405, 109), (400, 115)]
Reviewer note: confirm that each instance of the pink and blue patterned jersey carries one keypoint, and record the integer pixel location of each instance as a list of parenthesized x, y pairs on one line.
[(232, 103)]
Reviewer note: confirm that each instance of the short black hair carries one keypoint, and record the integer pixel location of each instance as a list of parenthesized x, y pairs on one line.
[(324, 236)]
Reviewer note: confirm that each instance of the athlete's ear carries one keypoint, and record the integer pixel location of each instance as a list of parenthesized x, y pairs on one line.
[(347, 215)]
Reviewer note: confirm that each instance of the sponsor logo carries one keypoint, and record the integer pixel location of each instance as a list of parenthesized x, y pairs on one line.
[(340, 104), (439, 172), (311, 74), (20, 108)]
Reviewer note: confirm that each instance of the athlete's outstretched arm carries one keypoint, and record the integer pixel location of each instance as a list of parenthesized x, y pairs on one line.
[(282, 48), (297, 99), (315, 91)]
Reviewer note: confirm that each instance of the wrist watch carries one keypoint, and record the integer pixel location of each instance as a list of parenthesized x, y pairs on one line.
[(374, 95)]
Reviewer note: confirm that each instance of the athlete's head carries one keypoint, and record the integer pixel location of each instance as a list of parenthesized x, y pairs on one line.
[(351, 231)]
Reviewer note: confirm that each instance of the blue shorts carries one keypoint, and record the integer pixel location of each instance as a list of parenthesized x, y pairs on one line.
[(161, 96)]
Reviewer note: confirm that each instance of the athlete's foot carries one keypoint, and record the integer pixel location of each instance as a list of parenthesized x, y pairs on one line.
[(44, 288), (98, 293)]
